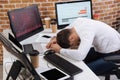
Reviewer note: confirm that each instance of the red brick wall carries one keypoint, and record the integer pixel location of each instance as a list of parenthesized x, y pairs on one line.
[(107, 10)]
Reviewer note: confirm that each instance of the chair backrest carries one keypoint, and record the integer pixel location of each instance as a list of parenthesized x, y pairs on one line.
[(25, 22), (114, 58)]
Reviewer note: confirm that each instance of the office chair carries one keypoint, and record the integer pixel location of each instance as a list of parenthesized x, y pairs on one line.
[(116, 70), (116, 60)]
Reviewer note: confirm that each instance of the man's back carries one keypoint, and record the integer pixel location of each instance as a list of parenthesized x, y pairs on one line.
[(105, 38)]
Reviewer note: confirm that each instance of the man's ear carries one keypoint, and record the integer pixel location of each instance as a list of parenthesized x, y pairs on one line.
[(71, 38)]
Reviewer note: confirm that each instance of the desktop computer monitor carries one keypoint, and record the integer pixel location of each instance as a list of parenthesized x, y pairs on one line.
[(25, 22), (67, 12), (19, 55)]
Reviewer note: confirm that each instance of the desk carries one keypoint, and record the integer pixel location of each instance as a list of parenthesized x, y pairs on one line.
[(87, 74)]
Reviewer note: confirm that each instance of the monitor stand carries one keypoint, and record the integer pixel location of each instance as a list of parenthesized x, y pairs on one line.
[(16, 69)]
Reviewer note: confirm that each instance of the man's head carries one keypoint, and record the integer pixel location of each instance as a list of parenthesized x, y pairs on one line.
[(67, 38), (63, 38)]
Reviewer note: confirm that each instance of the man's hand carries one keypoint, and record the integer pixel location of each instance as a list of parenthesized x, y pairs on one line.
[(55, 47), (52, 41)]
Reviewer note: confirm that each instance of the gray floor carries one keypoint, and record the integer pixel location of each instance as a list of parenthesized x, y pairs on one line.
[(112, 77), (1, 72)]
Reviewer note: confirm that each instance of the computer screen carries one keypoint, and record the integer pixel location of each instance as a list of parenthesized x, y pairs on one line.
[(67, 12), (19, 55), (25, 22)]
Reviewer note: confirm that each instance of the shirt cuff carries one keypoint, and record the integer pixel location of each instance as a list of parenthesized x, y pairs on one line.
[(62, 51)]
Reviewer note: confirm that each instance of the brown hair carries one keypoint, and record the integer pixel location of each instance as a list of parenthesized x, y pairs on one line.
[(63, 38)]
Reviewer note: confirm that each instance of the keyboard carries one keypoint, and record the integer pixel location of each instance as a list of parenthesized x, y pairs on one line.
[(62, 64)]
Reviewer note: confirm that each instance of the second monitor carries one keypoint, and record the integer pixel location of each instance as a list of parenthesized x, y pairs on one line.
[(67, 12)]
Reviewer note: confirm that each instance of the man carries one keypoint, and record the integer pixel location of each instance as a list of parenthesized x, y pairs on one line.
[(83, 34)]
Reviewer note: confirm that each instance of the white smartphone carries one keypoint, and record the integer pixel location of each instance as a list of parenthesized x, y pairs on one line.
[(54, 74)]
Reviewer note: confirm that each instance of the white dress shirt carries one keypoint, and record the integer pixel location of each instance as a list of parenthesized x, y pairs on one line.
[(94, 33)]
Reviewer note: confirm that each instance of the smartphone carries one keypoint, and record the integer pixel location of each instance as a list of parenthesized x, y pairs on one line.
[(54, 74), (46, 36)]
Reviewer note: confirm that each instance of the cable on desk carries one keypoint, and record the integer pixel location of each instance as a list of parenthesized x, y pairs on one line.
[(48, 65), (5, 67), (25, 74), (42, 50), (12, 59), (41, 54)]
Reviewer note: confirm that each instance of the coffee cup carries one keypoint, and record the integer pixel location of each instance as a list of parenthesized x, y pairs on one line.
[(47, 22), (34, 56), (53, 26)]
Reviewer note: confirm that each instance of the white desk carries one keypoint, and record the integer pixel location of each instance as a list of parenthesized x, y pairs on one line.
[(87, 74)]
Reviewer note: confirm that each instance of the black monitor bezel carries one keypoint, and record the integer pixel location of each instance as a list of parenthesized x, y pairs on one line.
[(21, 56), (63, 26), (20, 38)]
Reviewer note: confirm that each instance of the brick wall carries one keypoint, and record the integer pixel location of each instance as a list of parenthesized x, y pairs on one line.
[(108, 11)]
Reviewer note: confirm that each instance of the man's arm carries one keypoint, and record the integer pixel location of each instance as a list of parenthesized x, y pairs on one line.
[(52, 41), (83, 49)]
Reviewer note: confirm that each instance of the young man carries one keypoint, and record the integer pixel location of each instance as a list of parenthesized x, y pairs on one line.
[(83, 34)]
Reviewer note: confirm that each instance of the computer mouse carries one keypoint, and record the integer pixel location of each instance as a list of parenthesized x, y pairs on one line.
[(49, 52)]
